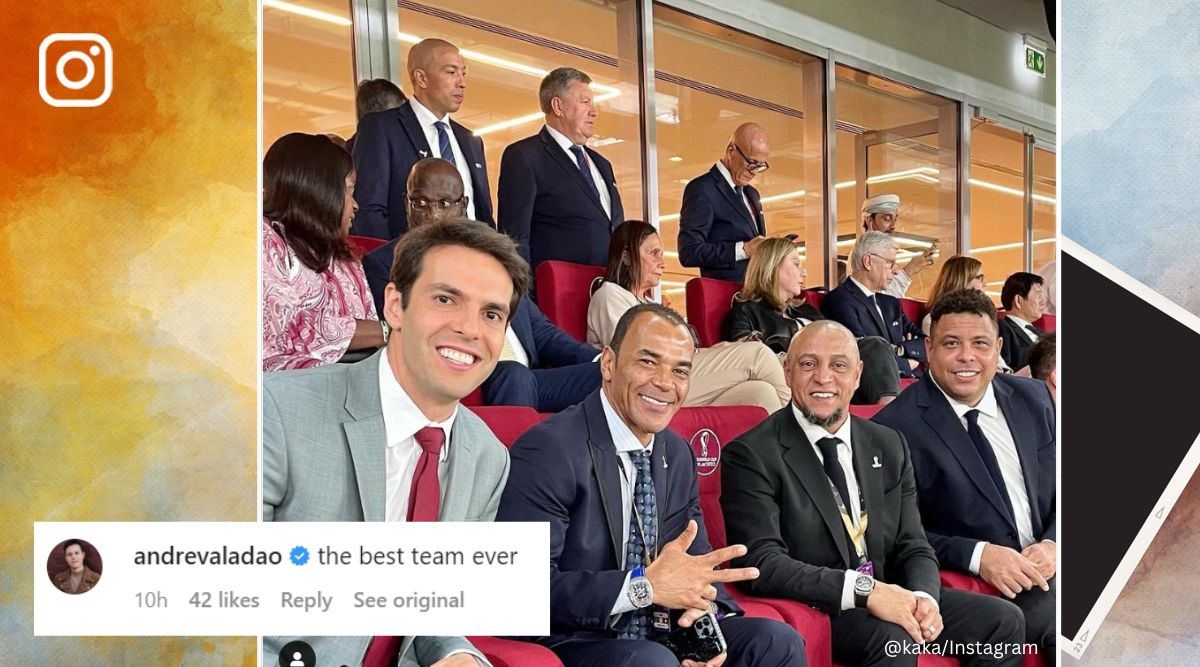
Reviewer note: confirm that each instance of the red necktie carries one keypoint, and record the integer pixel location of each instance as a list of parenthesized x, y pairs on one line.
[(426, 492), (423, 500)]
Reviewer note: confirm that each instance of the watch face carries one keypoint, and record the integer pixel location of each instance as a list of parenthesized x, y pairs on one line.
[(864, 585), (640, 591)]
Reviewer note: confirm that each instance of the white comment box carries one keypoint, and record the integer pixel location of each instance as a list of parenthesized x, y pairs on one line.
[(499, 586)]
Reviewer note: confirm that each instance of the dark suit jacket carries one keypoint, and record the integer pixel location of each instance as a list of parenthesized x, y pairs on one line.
[(777, 501), (712, 221), (565, 471), (546, 345), (386, 147), (549, 209), (747, 317), (1015, 349), (848, 305), (959, 503)]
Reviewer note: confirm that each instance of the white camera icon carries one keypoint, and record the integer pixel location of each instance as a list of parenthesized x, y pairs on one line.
[(88, 48)]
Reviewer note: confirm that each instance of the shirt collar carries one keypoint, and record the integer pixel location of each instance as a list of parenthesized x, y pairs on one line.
[(728, 177), (622, 436), (560, 138), (987, 404), (401, 417), (1021, 324), (865, 290), (815, 433), (424, 116)]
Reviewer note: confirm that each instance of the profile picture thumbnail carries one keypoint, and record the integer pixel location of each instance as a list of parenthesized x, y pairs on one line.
[(74, 566)]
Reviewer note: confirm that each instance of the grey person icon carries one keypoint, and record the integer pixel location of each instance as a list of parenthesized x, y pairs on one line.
[(297, 654)]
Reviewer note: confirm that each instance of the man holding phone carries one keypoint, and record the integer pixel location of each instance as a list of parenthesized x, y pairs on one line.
[(880, 214), (630, 561)]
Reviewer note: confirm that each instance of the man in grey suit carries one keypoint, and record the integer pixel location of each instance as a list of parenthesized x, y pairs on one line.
[(384, 439)]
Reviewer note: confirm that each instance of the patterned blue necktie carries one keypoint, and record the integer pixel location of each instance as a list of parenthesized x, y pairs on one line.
[(444, 143), (645, 506), (581, 160)]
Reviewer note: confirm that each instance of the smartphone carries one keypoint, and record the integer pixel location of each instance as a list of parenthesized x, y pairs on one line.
[(701, 642)]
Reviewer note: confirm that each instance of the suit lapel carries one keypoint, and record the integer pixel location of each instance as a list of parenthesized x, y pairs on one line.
[(876, 316), (558, 155), (799, 456), (610, 184), (365, 435), (1020, 427), (870, 481), (608, 477), (412, 127), (760, 224), (523, 327), (942, 420), (659, 472), (474, 160), (460, 472), (732, 198)]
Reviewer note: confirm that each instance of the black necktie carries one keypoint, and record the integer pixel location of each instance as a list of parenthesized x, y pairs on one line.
[(878, 312), (1037, 335), (989, 457), (581, 160), (833, 468)]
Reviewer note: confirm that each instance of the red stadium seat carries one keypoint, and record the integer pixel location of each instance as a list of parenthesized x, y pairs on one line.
[(508, 422), (865, 411), (512, 653), (708, 304), (966, 582), (1047, 322), (364, 244), (914, 310), (564, 290), (905, 383), (814, 297), (474, 398), (707, 430)]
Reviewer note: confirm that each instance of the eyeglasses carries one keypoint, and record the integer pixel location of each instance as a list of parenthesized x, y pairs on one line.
[(422, 204), (753, 165), (891, 262)]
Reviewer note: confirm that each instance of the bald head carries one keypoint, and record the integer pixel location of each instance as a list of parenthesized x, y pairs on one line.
[(432, 183), (438, 75), (747, 153), (823, 330)]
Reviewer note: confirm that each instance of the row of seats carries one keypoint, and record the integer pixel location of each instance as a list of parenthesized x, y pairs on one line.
[(707, 429)]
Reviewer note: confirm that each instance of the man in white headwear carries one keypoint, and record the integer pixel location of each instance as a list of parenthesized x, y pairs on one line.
[(880, 214)]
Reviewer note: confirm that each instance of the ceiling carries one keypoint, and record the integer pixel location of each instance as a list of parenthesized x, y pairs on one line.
[(1019, 16)]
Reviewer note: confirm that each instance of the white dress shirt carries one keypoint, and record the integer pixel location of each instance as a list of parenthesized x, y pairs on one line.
[(1021, 324), (870, 295), (846, 461), (995, 429), (518, 351), (601, 185), (426, 118), (401, 421), (625, 442), (739, 248)]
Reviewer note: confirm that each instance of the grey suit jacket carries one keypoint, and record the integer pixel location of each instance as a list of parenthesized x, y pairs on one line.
[(323, 460)]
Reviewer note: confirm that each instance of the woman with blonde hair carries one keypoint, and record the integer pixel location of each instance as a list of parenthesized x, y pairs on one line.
[(771, 307), (958, 272)]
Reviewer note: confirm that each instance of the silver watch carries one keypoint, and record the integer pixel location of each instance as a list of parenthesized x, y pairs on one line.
[(641, 593)]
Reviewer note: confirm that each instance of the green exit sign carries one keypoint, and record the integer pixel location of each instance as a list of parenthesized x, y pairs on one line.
[(1035, 61)]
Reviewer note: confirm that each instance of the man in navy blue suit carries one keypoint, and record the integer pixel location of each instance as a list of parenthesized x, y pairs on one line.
[(628, 550), (541, 366), (390, 142), (721, 222), (983, 450), (860, 305), (558, 198)]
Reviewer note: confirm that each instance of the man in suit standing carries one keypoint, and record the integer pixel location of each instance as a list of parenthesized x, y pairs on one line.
[(983, 449), (384, 439), (827, 508), (880, 214), (373, 96), (540, 366), (557, 197), (1024, 299), (388, 143), (627, 540), (721, 222), (861, 305)]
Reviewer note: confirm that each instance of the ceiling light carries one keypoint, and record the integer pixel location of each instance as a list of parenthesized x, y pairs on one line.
[(1008, 246), (676, 158), (305, 11)]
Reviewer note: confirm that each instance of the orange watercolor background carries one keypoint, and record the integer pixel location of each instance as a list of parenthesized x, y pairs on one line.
[(128, 296)]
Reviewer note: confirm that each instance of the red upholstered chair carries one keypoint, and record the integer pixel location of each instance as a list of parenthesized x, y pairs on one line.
[(708, 303), (709, 429), (508, 422), (914, 310), (814, 297), (865, 411), (966, 582), (474, 398), (1047, 322), (364, 244), (905, 383), (564, 290)]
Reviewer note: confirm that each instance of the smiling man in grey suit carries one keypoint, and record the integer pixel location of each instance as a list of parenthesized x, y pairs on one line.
[(384, 439)]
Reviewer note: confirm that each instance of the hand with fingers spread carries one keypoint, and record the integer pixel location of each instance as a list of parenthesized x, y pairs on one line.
[(683, 581), (921, 262), (894, 604), (1044, 555), (1009, 571)]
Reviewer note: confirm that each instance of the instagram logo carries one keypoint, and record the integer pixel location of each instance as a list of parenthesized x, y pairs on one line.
[(81, 64)]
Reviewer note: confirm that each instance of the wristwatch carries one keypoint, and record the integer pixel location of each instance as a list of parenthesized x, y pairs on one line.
[(641, 593), (863, 586)]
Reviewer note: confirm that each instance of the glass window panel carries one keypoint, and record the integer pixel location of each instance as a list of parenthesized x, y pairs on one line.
[(308, 70), (708, 80), (510, 48), (894, 139), (1045, 206), (997, 203)]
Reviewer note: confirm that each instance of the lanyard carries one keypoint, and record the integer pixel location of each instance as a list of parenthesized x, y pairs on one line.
[(857, 537)]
